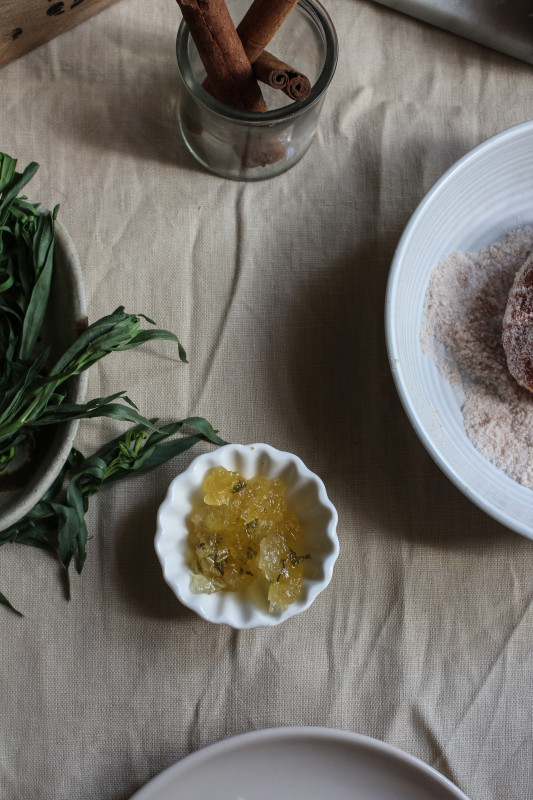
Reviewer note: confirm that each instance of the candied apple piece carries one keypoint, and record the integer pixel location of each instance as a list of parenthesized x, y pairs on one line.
[(264, 499), (222, 550), (219, 486), (283, 569)]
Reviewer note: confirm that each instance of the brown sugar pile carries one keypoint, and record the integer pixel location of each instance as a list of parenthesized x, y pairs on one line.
[(462, 332)]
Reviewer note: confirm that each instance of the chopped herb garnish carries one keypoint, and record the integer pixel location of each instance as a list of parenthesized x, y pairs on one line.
[(293, 560)]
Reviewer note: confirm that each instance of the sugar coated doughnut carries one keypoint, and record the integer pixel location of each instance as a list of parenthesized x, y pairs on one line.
[(517, 333)]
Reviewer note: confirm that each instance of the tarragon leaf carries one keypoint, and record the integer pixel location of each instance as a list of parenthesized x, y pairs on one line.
[(8, 166), (5, 602), (43, 254)]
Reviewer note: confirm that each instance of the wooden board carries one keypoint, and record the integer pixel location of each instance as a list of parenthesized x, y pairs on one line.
[(25, 24)]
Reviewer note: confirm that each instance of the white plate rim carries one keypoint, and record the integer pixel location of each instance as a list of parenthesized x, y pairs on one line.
[(394, 355), (232, 744)]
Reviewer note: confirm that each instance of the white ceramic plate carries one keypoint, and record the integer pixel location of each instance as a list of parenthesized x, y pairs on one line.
[(300, 764), (486, 194), (65, 317)]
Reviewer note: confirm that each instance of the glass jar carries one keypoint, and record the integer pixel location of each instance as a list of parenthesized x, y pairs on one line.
[(247, 145)]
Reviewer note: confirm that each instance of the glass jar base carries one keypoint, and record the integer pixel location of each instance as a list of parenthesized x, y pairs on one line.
[(248, 165)]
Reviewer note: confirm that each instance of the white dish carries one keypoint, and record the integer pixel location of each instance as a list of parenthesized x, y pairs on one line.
[(66, 316), (303, 763), (495, 23), (486, 194), (306, 496)]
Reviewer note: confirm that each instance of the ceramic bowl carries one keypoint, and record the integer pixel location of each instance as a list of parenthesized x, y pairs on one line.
[(66, 315), (306, 496), (485, 195)]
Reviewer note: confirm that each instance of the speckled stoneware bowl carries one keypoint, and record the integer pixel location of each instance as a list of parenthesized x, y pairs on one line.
[(478, 201), (306, 496), (66, 316)]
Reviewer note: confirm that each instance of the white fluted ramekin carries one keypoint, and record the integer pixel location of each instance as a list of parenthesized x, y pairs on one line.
[(306, 496)]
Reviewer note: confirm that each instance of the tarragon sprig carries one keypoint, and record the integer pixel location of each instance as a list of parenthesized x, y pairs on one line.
[(57, 523), (33, 391)]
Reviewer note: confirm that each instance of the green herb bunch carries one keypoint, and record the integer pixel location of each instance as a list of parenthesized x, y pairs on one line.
[(33, 391)]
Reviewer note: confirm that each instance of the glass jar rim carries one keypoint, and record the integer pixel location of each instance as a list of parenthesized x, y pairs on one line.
[(321, 18)]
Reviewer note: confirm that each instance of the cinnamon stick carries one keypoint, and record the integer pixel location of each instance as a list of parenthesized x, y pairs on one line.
[(299, 87), (222, 54), (255, 30), (274, 75), (260, 23), (274, 72), (228, 66)]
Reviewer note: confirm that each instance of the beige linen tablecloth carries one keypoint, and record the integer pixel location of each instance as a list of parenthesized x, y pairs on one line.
[(424, 638)]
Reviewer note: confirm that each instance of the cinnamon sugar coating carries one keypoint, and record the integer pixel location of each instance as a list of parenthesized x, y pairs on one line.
[(462, 332)]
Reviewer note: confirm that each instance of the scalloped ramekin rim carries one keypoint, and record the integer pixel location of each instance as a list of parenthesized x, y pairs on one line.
[(236, 609)]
